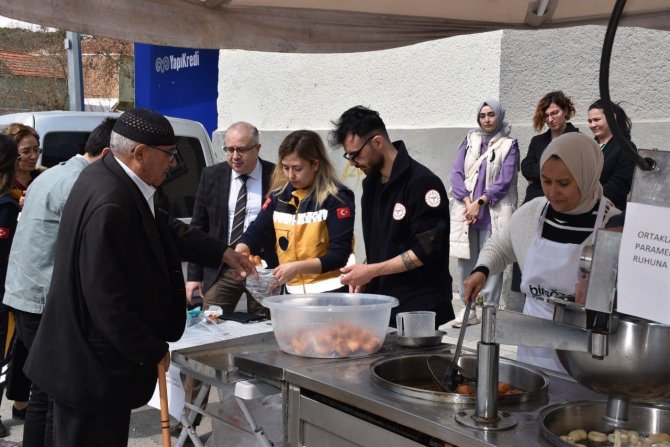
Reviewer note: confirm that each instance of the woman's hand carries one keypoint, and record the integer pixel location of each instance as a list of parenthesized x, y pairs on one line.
[(471, 212), (286, 272), (473, 285)]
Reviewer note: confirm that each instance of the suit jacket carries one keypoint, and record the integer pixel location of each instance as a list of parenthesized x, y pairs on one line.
[(210, 214), (117, 293)]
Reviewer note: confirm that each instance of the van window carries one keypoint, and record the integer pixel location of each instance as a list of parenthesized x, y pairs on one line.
[(182, 181), (179, 187), (61, 146)]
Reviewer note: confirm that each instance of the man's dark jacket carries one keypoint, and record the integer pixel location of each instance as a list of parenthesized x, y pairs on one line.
[(413, 214), (210, 214), (117, 294)]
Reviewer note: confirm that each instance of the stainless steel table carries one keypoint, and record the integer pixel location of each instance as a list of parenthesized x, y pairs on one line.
[(334, 402)]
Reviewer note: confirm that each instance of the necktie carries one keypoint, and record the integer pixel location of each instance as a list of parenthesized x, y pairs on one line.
[(240, 212)]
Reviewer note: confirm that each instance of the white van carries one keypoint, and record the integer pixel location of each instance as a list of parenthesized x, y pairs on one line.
[(63, 134)]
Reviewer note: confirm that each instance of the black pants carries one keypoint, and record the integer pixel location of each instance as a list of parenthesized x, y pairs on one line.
[(38, 427), (77, 428)]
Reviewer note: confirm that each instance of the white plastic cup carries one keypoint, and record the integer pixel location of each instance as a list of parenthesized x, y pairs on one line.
[(420, 323)]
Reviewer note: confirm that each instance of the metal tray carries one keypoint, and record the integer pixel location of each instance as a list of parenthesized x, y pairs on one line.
[(421, 342)]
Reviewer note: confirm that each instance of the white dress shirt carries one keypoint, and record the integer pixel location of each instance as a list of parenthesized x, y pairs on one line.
[(254, 196)]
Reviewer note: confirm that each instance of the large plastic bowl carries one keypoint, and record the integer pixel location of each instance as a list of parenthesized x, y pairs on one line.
[(330, 325)]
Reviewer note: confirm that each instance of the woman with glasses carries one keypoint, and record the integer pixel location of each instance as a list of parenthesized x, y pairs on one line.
[(9, 211), (484, 195), (28, 141), (309, 215)]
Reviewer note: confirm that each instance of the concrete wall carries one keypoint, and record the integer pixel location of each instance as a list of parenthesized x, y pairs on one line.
[(427, 93)]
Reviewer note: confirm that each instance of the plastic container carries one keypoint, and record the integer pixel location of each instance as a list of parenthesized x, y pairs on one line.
[(264, 287), (330, 325), (419, 323)]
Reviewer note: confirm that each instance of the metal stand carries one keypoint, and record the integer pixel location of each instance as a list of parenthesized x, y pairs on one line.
[(251, 389), (486, 416), (616, 413), (188, 431)]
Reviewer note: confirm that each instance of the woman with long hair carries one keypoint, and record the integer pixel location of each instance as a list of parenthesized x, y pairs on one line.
[(309, 215), (619, 164), (483, 187), (9, 212), (555, 110), (28, 142)]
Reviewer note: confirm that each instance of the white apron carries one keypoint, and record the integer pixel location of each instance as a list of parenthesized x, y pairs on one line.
[(551, 269)]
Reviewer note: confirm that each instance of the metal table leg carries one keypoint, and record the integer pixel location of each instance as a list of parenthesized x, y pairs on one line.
[(187, 419)]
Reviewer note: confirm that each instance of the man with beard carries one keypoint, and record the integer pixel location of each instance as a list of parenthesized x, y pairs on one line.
[(405, 217)]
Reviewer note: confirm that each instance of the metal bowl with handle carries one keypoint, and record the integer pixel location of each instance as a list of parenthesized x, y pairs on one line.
[(636, 365)]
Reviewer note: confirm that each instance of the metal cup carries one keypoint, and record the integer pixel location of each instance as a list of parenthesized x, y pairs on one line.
[(420, 323)]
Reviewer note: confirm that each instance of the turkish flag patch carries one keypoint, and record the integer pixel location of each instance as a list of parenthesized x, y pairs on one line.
[(343, 213), (267, 203), (5, 232)]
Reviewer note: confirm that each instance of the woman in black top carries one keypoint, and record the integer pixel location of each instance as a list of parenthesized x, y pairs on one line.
[(619, 167), (9, 212), (555, 110)]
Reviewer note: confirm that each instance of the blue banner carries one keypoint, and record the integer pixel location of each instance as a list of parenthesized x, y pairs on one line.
[(179, 82)]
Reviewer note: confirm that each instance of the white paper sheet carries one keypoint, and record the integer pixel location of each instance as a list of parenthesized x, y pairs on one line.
[(644, 263)]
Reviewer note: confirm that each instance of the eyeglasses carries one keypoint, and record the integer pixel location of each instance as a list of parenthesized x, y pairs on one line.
[(351, 156), (27, 152), (172, 154), (240, 150)]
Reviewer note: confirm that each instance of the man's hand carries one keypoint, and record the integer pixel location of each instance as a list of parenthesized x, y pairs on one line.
[(240, 263), (473, 285), (192, 286), (357, 276)]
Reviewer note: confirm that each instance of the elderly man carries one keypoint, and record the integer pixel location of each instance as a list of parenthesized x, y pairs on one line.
[(229, 198), (31, 263), (117, 292), (405, 217)]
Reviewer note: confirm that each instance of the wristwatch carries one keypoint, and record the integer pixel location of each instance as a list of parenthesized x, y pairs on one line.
[(481, 202)]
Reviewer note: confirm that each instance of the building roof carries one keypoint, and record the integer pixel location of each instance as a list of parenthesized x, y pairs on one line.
[(22, 64)]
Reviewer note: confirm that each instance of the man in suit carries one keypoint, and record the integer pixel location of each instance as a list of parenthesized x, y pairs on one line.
[(117, 292), (214, 213)]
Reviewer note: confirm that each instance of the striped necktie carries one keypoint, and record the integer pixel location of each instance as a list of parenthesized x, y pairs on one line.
[(240, 212)]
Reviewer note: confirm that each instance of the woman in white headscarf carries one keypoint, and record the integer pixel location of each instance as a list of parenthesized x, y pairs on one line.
[(546, 235), (483, 195)]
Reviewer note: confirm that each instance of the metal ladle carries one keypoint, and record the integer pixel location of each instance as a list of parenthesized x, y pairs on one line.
[(445, 371)]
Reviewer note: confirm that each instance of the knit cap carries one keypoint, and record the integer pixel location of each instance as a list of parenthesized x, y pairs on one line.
[(146, 127)]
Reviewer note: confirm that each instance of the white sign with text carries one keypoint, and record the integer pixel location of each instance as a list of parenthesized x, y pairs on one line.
[(644, 263)]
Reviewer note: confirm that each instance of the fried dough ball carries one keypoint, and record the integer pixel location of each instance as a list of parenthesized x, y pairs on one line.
[(577, 435), (503, 387), (465, 389), (658, 437), (338, 340), (597, 437)]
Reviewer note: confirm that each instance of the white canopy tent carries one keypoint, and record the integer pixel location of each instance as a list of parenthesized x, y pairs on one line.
[(318, 26)]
